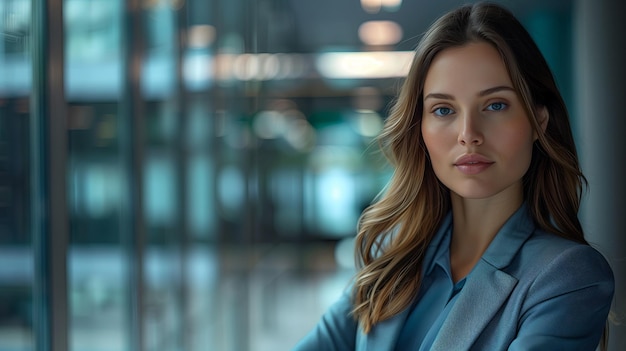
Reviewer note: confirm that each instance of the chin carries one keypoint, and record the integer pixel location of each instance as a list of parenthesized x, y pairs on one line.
[(476, 192), (473, 195)]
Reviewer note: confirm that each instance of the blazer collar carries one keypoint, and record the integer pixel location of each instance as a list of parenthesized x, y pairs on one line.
[(487, 286), (486, 289), (510, 238)]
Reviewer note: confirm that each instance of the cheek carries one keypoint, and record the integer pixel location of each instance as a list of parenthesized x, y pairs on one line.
[(436, 140), (518, 145), (428, 140), (437, 149)]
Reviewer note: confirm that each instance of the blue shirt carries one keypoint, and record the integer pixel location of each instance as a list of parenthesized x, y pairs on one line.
[(436, 296)]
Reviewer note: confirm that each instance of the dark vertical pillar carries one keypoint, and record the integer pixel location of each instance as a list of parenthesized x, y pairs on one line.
[(132, 150), (49, 165), (600, 53)]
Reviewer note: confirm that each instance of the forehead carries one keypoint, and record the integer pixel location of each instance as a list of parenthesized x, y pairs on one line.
[(472, 67)]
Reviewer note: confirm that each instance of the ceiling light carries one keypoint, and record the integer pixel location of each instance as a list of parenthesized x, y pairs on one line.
[(380, 33)]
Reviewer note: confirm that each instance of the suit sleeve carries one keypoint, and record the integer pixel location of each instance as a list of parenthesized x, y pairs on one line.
[(336, 330), (567, 305)]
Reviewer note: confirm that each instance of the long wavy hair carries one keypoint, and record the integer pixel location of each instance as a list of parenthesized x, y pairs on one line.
[(394, 232)]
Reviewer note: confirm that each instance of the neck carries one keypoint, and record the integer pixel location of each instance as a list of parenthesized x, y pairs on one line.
[(475, 224)]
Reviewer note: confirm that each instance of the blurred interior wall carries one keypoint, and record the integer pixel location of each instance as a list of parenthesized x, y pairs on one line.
[(600, 54)]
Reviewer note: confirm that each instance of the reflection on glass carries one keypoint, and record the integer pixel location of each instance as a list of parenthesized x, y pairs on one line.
[(97, 266), (160, 194), (96, 189), (16, 255), (231, 191), (93, 49), (97, 298), (201, 209), (165, 268), (335, 202), (202, 217)]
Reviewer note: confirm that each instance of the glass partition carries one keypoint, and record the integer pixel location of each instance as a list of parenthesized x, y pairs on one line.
[(216, 167), (98, 284), (16, 250)]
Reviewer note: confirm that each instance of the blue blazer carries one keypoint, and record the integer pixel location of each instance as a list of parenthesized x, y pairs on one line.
[(530, 291)]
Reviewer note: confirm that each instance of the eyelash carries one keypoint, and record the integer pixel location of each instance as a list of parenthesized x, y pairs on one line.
[(504, 106), (437, 111)]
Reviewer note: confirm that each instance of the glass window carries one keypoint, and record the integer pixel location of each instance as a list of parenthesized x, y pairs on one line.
[(213, 185), (16, 251), (98, 271)]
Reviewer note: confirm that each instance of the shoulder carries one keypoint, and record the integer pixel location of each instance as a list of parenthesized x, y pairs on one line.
[(545, 248), (563, 294), (547, 256)]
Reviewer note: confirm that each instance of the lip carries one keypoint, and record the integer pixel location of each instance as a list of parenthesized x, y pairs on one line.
[(472, 163)]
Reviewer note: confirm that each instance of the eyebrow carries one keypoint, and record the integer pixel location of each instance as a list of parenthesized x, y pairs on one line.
[(482, 93)]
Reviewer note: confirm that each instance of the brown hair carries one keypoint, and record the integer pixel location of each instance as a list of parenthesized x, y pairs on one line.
[(394, 232)]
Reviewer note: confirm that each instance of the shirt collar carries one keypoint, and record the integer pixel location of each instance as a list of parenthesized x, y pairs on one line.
[(516, 230)]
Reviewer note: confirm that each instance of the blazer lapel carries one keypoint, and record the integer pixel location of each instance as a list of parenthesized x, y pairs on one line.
[(480, 299), (487, 287)]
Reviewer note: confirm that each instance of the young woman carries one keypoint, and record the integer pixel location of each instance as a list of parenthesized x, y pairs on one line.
[(475, 243)]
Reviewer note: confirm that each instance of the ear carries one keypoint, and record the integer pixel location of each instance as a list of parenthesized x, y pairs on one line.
[(542, 117)]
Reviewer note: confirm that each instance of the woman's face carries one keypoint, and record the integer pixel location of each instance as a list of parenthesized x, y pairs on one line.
[(474, 125)]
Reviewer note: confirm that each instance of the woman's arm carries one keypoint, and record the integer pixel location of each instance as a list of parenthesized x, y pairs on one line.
[(336, 330)]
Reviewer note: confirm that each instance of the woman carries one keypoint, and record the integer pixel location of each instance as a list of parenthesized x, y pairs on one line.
[(475, 243)]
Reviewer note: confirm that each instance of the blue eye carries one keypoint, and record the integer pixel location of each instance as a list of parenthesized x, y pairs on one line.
[(443, 111), (497, 106)]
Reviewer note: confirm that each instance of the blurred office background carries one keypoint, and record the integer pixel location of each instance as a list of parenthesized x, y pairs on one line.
[(187, 174)]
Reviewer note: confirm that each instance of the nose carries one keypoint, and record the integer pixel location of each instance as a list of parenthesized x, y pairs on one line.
[(470, 131)]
